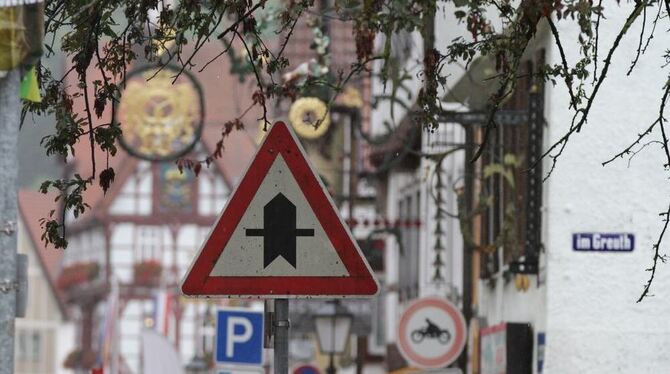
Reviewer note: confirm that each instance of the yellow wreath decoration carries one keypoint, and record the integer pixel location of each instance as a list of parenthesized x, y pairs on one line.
[(521, 282), (316, 111), (158, 115)]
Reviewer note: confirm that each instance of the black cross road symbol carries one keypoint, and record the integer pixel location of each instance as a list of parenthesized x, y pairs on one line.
[(279, 232)]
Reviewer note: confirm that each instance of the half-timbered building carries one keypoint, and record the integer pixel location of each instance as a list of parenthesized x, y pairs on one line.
[(127, 253)]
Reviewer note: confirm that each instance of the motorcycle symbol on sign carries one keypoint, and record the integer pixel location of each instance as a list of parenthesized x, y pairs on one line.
[(431, 331)]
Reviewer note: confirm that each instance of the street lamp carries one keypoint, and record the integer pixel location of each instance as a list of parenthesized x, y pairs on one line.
[(333, 326)]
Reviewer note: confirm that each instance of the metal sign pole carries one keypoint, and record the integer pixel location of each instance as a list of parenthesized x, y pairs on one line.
[(282, 325), (10, 111)]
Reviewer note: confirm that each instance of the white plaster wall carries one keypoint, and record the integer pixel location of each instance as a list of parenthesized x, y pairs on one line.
[(593, 322), (446, 29), (384, 111), (500, 301)]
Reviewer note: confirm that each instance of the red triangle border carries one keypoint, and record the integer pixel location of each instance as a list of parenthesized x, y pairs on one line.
[(359, 282)]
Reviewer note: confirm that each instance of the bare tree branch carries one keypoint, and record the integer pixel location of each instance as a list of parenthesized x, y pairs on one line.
[(657, 256)]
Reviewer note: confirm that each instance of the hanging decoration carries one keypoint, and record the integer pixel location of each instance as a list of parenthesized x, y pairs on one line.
[(21, 33), (521, 282), (147, 273), (161, 118), (309, 117), (176, 192), (30, 89), (77, 274)]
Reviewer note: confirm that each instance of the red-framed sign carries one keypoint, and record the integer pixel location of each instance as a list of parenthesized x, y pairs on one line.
[(280, 235), (432, 333)]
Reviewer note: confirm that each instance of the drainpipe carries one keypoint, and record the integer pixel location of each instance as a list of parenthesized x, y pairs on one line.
[(468, 251)]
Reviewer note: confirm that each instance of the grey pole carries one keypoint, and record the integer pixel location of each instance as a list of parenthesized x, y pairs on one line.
[(282, 325), (10, 108)]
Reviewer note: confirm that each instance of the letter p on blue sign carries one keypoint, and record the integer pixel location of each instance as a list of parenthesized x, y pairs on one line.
[(239, 337)]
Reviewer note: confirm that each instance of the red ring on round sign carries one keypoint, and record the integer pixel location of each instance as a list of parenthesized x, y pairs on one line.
[(306, 369), (459, 343)]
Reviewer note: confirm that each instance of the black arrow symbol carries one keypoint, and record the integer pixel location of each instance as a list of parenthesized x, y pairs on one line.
[(279, 232)]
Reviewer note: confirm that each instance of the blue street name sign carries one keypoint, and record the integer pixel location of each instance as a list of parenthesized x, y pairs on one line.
[(603, 242), (239, 337)]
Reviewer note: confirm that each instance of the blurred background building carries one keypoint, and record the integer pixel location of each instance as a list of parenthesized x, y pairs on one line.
[(126, 255), (46, 335)]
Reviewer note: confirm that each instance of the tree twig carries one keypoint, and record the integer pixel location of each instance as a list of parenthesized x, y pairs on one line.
[(657, 256)]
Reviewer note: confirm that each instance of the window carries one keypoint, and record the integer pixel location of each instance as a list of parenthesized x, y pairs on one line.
[(150, 243), (213, 194), (130, 330), (29, 345), (135, 195), (35, 346), (189, 240), (131, 244), (510, 220), (22, 343), (191, 329)]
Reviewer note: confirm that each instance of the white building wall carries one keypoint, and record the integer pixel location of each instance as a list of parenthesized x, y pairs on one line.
[(594, 324), (502, 302), (586, 305), (446, 29), (388, 112)]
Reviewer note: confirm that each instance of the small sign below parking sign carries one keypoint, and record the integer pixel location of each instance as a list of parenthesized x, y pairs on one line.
[(239, 370), (603, 242), (239, 337)]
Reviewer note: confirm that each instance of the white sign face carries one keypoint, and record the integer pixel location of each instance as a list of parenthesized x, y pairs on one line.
[(432, 333), (244, 254)]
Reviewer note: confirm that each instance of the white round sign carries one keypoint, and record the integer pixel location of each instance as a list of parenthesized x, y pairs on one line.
[(431, 333)]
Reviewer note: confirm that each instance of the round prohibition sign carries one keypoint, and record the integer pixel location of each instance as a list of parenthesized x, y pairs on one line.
[(306, 369), (432, 333)]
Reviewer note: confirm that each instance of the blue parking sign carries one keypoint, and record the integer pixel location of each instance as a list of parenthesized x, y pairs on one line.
[(239, 337)]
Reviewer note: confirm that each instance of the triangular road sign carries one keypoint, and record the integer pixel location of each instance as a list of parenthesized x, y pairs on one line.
[(280, 235)]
